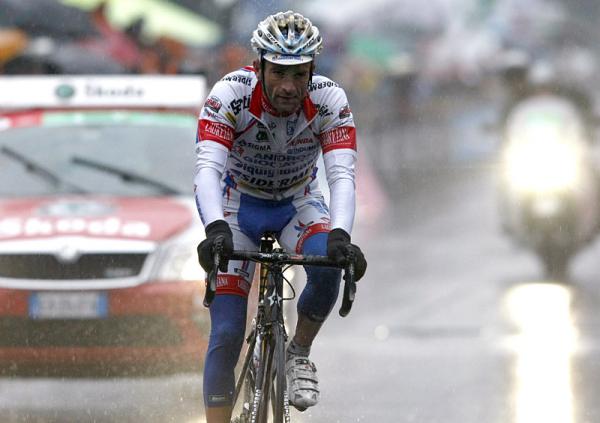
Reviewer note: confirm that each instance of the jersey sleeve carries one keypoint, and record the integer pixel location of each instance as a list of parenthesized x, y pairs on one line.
[(216, 121), (211, 159), (337, 136), (339, 168), (337, 130), (214, 140)]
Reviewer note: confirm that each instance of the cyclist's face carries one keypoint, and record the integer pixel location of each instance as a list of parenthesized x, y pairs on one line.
[(286, 86)]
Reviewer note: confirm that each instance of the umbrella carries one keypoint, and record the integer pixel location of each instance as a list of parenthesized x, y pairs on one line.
[(46, 18), (161, 18)]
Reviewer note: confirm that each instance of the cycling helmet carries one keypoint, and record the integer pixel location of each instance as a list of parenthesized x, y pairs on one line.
[(287, 38)]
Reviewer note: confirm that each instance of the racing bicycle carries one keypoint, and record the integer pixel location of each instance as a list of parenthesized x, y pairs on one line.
[(261, 389)]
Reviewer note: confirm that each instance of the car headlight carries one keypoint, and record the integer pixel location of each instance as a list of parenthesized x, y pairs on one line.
[(542, 164), (179, 263)]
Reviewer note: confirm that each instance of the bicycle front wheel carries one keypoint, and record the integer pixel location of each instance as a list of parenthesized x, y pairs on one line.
[(279, 397), (254, 385), (245, 386)]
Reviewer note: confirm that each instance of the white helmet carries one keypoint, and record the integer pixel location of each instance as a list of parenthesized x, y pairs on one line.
[(287, 38)]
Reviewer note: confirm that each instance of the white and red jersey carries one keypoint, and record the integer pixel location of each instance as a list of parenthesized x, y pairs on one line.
[(244, 142)]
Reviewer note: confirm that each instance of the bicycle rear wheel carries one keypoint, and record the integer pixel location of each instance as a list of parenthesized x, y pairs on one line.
[(274, 405), (267, 384)]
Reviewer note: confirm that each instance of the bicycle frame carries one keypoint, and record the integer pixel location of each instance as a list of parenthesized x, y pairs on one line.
[(261, 382), (266, 345)]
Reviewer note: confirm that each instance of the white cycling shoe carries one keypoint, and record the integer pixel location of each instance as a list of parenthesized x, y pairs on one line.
[(302, 381)]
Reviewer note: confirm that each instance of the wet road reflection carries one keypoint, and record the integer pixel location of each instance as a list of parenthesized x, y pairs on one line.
[(544, 344)]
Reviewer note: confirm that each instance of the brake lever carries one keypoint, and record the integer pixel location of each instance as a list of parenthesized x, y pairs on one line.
[(211, 277), (349, 284)]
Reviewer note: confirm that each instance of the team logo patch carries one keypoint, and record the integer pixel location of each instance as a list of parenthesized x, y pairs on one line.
[(345, 112), (215, 131), (213, 103), (341, 137)]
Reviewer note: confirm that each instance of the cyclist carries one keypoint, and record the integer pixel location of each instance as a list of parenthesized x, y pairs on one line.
[(260, 133)]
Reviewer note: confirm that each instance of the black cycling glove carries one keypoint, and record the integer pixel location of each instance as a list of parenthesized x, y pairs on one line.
[(205, 248), (339, 246)]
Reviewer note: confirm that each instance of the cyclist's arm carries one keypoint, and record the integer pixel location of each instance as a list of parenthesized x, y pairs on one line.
[(338, 143), (339, 167), (211, 158), (214, 140)]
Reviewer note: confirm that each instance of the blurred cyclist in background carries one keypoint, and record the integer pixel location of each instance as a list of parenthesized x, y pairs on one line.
[(260, 133), (514, 71), (522, 78)]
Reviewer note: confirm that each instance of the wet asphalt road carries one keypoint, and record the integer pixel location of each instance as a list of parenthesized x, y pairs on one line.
[(451, 324)]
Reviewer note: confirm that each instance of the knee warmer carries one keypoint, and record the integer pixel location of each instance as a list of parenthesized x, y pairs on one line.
[(322, 283)]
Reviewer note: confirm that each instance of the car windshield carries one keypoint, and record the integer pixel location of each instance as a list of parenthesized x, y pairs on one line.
[(112, 153)]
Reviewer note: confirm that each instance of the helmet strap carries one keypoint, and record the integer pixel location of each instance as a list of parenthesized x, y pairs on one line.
[(262, 74), (312, 71)]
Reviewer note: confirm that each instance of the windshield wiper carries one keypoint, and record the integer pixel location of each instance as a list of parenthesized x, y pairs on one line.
[(125, 175), (47, 175)]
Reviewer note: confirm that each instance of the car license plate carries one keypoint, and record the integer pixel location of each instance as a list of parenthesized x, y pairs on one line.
[(68, 305)]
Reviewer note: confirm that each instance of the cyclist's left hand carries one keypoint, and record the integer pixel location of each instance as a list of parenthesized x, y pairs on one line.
[(338, 244)]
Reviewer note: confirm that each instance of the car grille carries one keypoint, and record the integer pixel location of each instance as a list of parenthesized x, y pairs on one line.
[(115, 331), (87, 266)]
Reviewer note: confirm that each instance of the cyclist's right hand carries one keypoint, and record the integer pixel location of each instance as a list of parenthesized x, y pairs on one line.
[(214, 230), (360, 262), (339, 248)]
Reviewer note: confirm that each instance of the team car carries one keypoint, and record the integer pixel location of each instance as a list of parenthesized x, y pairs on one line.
[(98, 225)]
